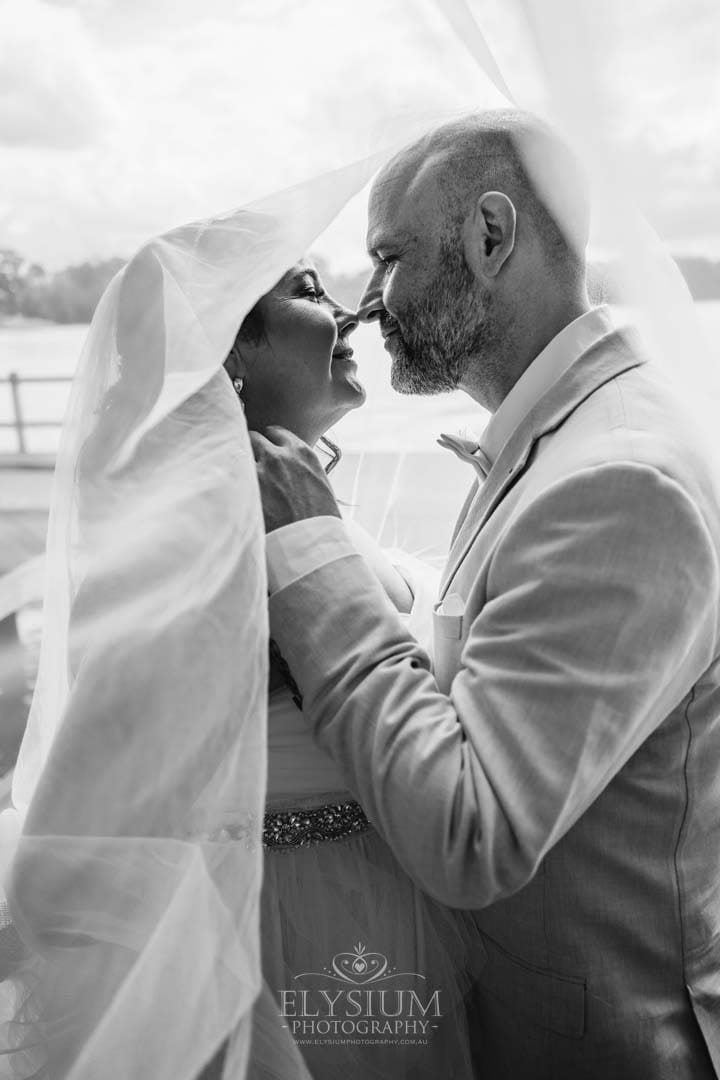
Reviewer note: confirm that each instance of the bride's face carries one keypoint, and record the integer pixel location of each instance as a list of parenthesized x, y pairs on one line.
[(295, 357)]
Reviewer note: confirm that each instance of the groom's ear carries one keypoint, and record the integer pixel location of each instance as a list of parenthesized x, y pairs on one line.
[(489, 234)]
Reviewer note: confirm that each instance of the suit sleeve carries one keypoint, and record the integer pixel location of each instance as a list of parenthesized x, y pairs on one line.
[(600, 614)]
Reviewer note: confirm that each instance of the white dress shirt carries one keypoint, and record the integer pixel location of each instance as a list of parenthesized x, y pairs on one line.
[(302, 547)]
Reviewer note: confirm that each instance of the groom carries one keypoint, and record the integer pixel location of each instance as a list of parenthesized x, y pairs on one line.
[(559, 772)]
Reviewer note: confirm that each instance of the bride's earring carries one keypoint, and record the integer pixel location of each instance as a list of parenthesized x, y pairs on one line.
[(238, 387), (238, 382)]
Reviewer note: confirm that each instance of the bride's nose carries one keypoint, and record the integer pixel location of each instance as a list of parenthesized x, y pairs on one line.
[(346, 320)]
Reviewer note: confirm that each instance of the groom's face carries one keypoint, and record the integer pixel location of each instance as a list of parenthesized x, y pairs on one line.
[(433, 314)]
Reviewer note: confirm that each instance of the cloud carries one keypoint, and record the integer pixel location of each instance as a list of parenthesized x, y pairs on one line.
[(51, 93), (126, 118)]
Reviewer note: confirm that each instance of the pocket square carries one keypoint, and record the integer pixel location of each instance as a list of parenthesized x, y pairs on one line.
[(448, 616)]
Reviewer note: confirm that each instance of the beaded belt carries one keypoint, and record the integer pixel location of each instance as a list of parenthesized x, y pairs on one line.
[(314, 825)]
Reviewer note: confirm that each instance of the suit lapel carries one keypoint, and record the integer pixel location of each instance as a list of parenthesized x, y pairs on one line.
[(466, 509), (503, 473), (609, 357)]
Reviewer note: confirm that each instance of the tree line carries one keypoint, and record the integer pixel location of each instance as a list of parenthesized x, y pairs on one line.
[(71, 295), (63, 296)]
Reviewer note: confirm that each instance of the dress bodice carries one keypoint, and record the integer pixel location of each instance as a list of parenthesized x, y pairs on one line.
[(297, 766)]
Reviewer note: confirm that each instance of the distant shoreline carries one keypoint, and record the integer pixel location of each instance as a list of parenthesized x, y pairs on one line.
[(23, 322)]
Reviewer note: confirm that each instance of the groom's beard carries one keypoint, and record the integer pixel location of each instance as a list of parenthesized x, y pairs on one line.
[(451, 326)]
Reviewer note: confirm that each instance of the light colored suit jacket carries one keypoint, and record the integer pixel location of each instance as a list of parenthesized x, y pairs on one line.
[(567, 784)]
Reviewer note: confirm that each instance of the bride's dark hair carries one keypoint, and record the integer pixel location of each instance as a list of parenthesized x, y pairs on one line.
[(252, 328)]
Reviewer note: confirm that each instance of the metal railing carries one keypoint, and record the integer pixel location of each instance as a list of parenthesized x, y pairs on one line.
[(19, 423)]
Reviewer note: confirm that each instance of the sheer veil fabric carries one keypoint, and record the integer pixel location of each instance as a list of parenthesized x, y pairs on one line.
[(138, 918)]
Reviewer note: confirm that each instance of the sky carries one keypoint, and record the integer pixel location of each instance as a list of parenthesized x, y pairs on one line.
[(122, 118)]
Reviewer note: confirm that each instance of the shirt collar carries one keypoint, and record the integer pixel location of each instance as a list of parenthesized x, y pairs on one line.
[(545, 370)]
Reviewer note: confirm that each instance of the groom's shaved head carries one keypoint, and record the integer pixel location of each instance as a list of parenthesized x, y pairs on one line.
[(477, 233), (507, 151)]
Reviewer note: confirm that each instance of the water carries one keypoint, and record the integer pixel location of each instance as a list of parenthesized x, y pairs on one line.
[(388, 421)]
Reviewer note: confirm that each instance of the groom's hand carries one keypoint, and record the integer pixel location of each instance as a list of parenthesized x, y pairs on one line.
[(293, 484)]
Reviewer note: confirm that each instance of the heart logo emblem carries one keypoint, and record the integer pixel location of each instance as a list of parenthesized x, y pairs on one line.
[(359, 966)]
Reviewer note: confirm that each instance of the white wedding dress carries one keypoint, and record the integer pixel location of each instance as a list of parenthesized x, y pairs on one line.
[(347, 937)]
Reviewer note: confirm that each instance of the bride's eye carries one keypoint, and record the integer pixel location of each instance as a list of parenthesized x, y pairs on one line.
[(312, 292)]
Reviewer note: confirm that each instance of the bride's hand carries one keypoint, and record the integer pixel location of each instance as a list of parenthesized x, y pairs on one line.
[(293, 484)]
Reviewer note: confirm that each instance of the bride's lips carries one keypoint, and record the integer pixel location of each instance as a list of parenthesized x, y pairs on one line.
[(344, 354)]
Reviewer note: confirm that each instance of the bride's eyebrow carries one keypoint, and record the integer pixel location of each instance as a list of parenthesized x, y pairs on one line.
[(309, 271)]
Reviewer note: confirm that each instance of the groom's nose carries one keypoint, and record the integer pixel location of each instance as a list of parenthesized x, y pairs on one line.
[(371, 305)]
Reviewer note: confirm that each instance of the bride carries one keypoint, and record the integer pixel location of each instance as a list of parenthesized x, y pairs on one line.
[(338, 913)]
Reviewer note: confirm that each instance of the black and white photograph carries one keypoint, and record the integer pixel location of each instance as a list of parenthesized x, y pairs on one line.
[(359, 540)]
